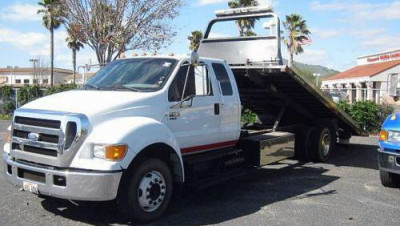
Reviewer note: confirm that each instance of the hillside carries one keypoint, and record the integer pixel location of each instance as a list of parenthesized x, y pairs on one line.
[(308, 70)]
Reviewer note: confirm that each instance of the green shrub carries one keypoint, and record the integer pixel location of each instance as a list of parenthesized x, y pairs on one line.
[(7, 106), (248, 116), (5, 117), (28, 93), (59, 88), (368, 114)]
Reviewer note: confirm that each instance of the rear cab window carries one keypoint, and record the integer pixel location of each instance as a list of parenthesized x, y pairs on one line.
[(223, 78)]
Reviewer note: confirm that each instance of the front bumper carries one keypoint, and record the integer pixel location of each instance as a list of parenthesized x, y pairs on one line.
[(389, 161), (80, 184)]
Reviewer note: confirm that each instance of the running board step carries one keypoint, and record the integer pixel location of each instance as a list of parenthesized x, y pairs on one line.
[(217, 179)]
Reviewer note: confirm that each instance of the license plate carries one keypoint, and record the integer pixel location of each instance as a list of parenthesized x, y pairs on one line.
[(31, 187)]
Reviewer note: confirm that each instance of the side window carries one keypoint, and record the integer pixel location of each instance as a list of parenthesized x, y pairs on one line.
[(198, 83), (223, 79)]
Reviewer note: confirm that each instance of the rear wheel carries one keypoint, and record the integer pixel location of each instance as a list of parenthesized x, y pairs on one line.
[(147, 191), (321, 144), (303, 135), (389, 179)]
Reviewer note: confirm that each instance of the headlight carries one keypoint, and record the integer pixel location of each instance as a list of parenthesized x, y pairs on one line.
[(110, 152), (393, 136)]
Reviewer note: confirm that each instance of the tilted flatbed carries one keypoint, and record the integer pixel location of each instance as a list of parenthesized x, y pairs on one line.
[(280, 95)]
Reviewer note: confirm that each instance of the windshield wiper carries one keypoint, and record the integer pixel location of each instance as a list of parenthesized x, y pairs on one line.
[(119, 86)]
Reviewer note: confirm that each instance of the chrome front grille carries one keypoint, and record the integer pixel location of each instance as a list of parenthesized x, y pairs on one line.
[(47, 137), (48, 132)]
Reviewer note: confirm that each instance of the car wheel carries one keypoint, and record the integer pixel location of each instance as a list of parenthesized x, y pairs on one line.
[(147, 191), (389, 179)]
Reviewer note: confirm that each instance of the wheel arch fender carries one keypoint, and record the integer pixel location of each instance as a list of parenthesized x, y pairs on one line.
[(142, 135)]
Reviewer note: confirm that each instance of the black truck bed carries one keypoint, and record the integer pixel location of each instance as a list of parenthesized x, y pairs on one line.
[(266, 90)]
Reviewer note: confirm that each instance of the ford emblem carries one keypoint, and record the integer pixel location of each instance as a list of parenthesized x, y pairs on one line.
[(33, 136)]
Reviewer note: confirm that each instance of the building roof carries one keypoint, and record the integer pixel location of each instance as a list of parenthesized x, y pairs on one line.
[(30, 70), (368, 70)]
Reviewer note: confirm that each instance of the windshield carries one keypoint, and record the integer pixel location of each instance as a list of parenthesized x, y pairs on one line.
[(139, 74)]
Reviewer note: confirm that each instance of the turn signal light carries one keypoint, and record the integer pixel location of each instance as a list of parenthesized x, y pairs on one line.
[(8, 137), (115, 152), (383, 135)]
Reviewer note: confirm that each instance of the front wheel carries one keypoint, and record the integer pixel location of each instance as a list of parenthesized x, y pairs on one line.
[(389, 179), (147, 191)]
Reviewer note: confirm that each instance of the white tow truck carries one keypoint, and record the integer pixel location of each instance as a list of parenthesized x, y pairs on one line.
[(142, 127)]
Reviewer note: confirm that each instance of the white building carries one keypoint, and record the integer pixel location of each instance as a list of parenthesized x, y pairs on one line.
[(17, 77), (370, 79)]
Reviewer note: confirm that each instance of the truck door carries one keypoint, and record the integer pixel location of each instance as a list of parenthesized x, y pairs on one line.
[(229, 103), (195, 122)]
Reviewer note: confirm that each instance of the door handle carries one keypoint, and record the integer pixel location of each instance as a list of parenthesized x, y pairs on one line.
[(216, 109), (174, 115)]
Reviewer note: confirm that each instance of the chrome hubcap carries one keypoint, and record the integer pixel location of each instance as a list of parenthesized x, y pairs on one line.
[(152, 190), (325, 144)]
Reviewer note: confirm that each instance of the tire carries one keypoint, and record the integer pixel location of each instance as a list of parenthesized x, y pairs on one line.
[(345, 135), (389, 179), (302, 141), (152, 178), (321, 144)]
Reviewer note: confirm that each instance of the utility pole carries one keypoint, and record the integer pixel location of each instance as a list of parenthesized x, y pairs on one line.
[(317, 76), (35, 77)]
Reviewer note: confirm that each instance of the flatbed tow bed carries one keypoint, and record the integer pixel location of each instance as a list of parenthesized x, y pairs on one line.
[(266, 90)]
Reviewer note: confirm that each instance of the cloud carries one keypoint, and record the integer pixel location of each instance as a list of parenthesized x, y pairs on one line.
[(209, 2), (381, 43), (20, 13), (22, 40), (367, 33), (260, 2), (361, 11), (326, 33)]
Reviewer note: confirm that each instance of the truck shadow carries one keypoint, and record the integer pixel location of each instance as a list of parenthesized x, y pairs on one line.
[(243, 196), (356, 155), (289, 180)]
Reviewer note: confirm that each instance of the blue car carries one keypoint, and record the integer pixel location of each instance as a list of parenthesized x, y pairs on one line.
[(389, 151)]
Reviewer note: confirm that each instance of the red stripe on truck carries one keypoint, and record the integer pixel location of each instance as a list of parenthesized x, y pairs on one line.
[(208, 147)]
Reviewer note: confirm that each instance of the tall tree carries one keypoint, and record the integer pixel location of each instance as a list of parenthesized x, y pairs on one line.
[(74, 44), (112, 27), (195, 39), (297, 35), (52, 18), (245, 26)]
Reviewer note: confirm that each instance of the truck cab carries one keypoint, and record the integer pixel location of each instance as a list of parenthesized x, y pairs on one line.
[(81, 144)]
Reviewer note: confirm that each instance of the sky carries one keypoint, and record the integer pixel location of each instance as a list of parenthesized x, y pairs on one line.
[(342, 30)]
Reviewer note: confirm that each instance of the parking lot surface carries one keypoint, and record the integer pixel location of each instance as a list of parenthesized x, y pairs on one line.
[(344, 191)]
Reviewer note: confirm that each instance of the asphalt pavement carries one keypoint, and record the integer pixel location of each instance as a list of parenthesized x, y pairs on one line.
[(344, 191)]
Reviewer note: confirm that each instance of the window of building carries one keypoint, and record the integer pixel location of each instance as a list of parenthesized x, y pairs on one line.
[(223, 78), (45, 81), (17, 81), (35, 81), (26, 81)]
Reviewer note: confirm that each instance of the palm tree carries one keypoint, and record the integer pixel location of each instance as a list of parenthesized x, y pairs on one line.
[(75, 45), (52, 18), (244, 26), (195, 39), (298, 32)]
